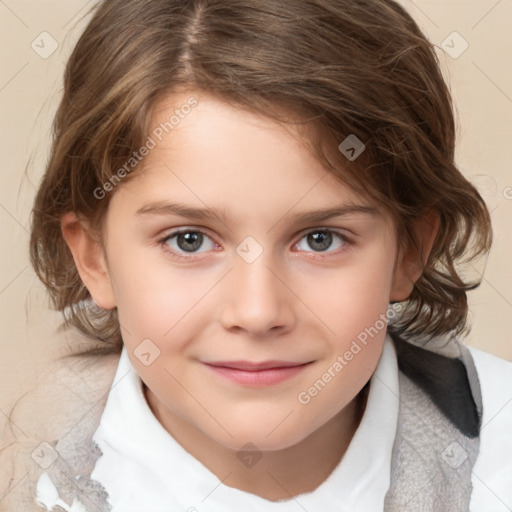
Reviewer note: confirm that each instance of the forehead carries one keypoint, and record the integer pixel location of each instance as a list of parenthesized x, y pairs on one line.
[(236, 162), (215, 131)]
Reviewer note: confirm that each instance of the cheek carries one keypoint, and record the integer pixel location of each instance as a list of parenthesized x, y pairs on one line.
[(353, 297), (156, 300), (146, 297), (353, 305)]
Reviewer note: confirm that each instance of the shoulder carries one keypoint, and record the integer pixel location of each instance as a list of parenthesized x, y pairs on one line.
[(488, 361), (68, 399), (493, 468), (495, 376)]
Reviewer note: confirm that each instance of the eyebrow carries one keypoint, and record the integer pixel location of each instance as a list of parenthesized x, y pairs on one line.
[(183, 210)]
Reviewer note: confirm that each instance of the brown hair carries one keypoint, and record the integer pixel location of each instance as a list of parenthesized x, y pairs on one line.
[(346, 67)]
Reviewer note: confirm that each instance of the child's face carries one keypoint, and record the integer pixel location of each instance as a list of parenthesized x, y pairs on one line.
[(294, 302)]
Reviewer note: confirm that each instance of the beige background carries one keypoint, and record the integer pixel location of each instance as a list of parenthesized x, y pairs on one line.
[(481, 80)]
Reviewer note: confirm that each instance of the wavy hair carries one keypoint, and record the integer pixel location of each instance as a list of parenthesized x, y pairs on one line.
[(341, 67)]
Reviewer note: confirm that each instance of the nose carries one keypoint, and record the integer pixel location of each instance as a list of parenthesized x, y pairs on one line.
[(256, 299)]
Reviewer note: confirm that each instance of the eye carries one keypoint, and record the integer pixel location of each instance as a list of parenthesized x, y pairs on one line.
[(186, 240), (322, 239), (184, 243)]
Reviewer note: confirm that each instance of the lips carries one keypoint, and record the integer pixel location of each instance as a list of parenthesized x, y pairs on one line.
[(257, 374), (255, 366)]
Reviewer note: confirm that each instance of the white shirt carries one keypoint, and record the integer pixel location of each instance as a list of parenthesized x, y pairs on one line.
[(143, 468)]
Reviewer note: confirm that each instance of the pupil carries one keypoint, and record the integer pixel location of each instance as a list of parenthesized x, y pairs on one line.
[(193, 239), (322, 237)]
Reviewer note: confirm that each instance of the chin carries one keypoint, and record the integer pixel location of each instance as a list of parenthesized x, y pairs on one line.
[(263, 439)]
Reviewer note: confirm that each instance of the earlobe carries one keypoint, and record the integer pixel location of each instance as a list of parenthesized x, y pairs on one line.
[(89, 260), (410, 262)]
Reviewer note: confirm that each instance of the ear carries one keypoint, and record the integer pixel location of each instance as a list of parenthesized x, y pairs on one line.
[(89, 260), (410, 262)]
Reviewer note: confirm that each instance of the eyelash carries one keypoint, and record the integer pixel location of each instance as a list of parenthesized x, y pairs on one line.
[(346, 242)]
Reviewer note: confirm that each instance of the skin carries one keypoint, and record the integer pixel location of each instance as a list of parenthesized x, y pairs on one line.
[(295, 302)]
